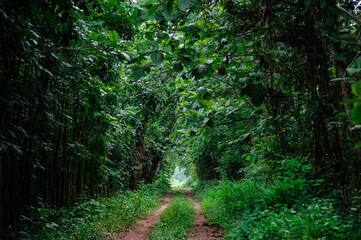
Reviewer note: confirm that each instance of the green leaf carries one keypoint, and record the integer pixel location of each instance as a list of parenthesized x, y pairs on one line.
[(147, 2), (184, 4), (173, 134), (138, 73), (358, 62), (358, 145), (167, 49), (242, 138), (157, 57), (341, 79), (323, 4), (169, 13), (209, 103), (178, 67), (356, 88), (197, 3), (160, 35), (352, 100), (153, 9), (159, 17), (312, 106), (126, 56), (356, 114), (353, 70), (339, 56), (187, 62), (202, 68), (329, 21)]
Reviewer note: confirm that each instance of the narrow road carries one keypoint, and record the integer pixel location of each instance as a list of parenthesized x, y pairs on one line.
[(202, 230), (141, 230)]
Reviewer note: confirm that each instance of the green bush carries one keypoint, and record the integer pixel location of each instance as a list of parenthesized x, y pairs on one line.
[(225, 203), (283, 210), (95, 218), (317, 221), (175, 220)]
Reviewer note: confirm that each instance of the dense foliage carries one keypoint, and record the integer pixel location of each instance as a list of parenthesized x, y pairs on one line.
[(98, 96), (93, 219), (254, 208)]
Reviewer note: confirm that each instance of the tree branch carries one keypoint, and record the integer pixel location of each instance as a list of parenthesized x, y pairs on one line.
[(349, 14)]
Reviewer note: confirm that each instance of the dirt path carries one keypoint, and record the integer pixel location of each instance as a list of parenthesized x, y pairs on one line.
[(141, 230), (202, 230)]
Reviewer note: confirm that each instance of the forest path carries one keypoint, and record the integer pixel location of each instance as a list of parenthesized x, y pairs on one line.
[(202, 230), (142, 229)]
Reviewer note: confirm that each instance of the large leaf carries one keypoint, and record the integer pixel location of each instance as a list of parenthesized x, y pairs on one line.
[(138, 73), (157, 57), (356, 114), (353, 70), (184, 4), (358, 62), (356, 89), (169, 13), (197, 3)]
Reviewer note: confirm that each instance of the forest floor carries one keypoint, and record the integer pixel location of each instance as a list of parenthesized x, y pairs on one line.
[(201, 231)]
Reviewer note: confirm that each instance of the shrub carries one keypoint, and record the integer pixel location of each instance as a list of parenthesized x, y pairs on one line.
[(283, 210), (318, 221), (95, 218)]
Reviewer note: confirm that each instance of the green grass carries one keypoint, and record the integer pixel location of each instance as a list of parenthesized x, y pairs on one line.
[(250, 209), (96, 218), (175, 220)]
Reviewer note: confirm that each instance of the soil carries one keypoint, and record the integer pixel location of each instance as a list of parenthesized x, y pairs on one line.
[(202, 229), (142, 229)]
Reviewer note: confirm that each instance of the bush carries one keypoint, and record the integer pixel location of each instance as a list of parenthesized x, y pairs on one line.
[(318, 221), (95, 218), (283, 210)]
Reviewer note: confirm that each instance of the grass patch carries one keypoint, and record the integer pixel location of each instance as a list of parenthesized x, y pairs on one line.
[(175, 220)]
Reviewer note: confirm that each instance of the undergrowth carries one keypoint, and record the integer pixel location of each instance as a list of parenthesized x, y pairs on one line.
[(175, 220), (280, 209), (96, 218)]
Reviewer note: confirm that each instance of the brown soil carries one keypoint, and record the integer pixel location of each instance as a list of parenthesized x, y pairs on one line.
[(141, 230), (202, 230)]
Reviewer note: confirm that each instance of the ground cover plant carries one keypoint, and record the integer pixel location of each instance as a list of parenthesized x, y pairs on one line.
[(96, 218), (253, 209), (175, 220)]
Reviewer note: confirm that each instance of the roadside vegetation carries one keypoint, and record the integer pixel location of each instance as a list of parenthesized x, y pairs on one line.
[(175, 220), (258, 207), (95, 218)]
